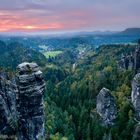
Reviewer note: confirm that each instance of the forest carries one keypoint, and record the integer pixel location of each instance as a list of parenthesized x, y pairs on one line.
[(73, 80), (71, 94)]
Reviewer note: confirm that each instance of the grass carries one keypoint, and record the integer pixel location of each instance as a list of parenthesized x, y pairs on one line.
[(52, 53)]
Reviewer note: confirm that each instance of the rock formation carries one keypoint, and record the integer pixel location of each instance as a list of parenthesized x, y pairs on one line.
[(135, 95), (131, 61), (30, 102), (106, 107), (8, 114), (21, 103), (126, 62)]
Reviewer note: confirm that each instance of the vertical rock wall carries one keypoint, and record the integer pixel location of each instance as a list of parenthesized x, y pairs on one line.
[(106, 107), (8, 114), (30, 105)]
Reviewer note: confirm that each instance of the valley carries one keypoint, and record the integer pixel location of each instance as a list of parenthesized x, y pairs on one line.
[(77, 71)]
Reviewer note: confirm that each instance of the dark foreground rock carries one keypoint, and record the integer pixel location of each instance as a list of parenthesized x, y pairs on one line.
[(8, 114), (21, 104), (30, 102), (106, 107)]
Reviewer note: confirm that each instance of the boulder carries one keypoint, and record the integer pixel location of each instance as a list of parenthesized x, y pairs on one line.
[(106, 107)]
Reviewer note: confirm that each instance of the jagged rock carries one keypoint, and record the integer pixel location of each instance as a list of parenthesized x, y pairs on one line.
[(106, 107), (8, 114), (126, 62), (21, 103), (131, 61), (135, 95), (30, 102)]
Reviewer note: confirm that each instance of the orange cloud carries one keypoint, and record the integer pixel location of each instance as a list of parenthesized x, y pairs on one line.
[(23, 21), (27, 27)]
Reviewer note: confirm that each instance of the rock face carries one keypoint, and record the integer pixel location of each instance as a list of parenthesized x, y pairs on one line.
[(131, 61), (30, 104), (106, 107), (21, 103), (126, 62), (135, 95), (8, 114)]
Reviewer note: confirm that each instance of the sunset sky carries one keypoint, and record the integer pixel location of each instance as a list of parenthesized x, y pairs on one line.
[(68, 15)]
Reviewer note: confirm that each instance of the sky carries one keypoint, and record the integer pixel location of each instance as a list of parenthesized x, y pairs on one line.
[(68, 15)]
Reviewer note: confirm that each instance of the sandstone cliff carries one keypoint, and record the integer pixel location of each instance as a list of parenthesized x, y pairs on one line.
[(8, 113), (21, 103), (30, 104), (106, 107), (131, 61)]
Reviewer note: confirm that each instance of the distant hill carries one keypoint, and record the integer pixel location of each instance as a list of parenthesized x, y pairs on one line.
[(15, 53), (131, 31)]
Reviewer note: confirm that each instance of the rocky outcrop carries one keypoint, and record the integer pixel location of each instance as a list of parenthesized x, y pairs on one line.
[(131, 61), (137, 58), (126, 62), (21, 103), (8, 114), (30, 102), (135, 95), (106, 107)]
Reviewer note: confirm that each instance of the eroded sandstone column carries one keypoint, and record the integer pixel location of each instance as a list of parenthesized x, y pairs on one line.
[(30, 105), (106, 107)]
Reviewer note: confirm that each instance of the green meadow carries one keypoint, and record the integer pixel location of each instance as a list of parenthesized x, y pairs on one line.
[(52, 53)]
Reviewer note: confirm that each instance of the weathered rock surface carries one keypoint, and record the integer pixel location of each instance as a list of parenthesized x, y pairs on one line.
[(30, 104), (106, 107), (131, 61), (135, 95), (126, 62), (21, 103), (8, 114)]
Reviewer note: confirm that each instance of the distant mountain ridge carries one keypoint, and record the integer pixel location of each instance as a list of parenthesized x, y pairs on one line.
[(127, 31), (131, 31)]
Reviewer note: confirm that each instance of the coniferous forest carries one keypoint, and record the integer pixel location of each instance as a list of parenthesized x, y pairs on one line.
[(74, 79)]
